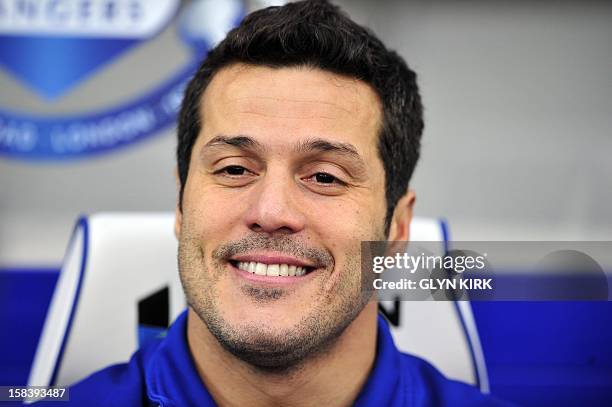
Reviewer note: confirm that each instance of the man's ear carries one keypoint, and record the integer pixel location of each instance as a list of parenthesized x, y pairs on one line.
[(399, 230), (178, 213)]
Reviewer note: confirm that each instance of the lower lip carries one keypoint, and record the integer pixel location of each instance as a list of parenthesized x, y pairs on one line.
[(271, 280)]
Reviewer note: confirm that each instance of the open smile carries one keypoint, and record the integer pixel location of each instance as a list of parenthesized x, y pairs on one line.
[(275, 270), (272, 264), (272, 267)]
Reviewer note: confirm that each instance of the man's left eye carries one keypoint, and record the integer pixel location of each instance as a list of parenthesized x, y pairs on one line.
[(325, 178)]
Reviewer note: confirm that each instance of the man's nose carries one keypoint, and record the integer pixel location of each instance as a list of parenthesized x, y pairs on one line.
[(274, 207)]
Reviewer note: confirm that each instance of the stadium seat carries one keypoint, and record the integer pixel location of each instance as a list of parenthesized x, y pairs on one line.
[(119, 286)]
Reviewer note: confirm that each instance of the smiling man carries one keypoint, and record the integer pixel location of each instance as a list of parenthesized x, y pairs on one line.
[(297, 139), (284, 182)]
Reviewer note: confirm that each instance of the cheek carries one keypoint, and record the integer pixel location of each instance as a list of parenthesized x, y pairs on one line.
[(209, 211), (343, 226), (355, 218)]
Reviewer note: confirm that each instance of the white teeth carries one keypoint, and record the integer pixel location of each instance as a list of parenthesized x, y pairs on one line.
[(273, 270), (284, 270), (261, 269)]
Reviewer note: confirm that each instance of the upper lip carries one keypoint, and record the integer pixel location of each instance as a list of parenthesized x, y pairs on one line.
[(272, 258)]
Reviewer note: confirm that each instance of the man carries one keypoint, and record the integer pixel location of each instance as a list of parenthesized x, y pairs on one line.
[(296, 141)]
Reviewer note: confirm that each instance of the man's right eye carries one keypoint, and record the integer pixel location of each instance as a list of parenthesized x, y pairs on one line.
[(232, 170)]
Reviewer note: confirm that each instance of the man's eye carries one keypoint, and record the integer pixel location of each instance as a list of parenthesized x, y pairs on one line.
[(235, 170), (325, 178)]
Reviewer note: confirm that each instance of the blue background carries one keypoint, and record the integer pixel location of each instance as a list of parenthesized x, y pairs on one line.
[(537, 353)]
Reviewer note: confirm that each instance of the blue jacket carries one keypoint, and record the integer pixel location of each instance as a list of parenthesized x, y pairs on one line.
[(163, 374)]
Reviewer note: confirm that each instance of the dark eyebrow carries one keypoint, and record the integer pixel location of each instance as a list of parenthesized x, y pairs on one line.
[(356, 165), (309, 146), (322, 145), (243, 142)]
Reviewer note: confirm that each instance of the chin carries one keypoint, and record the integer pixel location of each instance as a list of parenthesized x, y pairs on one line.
[(277, 317)]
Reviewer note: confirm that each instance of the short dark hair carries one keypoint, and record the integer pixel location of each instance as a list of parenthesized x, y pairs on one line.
[(317, 34)]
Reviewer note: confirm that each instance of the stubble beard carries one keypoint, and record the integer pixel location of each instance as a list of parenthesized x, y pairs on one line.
[(265, 348)]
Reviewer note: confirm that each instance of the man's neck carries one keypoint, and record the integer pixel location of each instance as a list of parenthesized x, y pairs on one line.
[(334, 378)]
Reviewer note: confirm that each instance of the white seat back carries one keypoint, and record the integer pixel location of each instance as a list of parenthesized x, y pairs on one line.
[(114, 260), (442, 332)]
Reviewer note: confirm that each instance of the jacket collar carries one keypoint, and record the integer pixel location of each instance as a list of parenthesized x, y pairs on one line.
[(172, 379)]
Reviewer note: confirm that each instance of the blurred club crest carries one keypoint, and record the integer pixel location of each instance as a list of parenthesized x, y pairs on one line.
[(51, 48)]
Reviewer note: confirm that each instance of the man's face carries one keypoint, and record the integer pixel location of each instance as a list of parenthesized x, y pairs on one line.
[(284, 183)]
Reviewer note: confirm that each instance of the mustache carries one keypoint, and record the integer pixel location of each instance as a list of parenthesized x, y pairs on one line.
[(281, 244)]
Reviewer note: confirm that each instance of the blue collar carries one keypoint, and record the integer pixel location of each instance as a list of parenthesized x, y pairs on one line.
[(172, 379), (171, 376), (384, 385)]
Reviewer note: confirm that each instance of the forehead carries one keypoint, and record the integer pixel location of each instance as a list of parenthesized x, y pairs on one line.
[(287, 103)]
